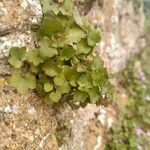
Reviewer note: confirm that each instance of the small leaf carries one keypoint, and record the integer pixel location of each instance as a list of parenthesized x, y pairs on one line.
[(55, 96), (84, 81), (49, 68), (65, 88), (74, 34), (81, 68), (16, 56), (48, 87), (98, 78), (94, 95), (46, 6), (15, 62), (30, 79), (45, 50), (83, 47), (77, 17), (71, 75), (97, 63), (67, 7), (66, 53), (59, 79), (50, 25), (19, 83), (33, 57), (79, 96), (93, 37)]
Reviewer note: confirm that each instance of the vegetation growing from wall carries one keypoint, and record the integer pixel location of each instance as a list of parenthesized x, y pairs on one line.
[(132, 131), (64, 66)]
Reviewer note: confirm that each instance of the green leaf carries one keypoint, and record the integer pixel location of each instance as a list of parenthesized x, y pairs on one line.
[(66, 53), (50, 25), (94, 95), (18, 52), (67, 7), (15, 62), (93, 37), (65, 88), (77, 17), (81, 68), (16, 56), (79, 96), (48, 87), (71, 75), (45, 50), (84, 81), (31, 80), (74, 34), (22, 84), (83, 47), (33, 57), (46, 6), (98, 78), (55, 96), (97, 63), (49, 68), (59, 79)]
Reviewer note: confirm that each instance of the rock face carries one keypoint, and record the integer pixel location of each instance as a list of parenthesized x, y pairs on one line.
[(122, 23), (17, 18), (26, 122)]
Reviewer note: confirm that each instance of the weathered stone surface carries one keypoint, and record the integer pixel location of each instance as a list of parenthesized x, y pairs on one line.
[(27, 123), (17, 18), (122, 29)]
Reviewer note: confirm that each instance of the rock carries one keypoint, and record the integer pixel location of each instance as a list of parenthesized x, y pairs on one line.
[(27, 123), (122, 29), (17, 18)]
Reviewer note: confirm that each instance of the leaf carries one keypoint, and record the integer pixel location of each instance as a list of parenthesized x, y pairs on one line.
[(84, 81), (97, 63), (65, 88), (98, 78), (59, 79), (48, 87), (66, 53), (45, 50), (67, 7), (81, 68), (33, 57), (31, 80), (22, 84), (50, 25), (15, 62), (77, 17), (55, 96), (93, 37), (83, 47), (79, 96), (71, 75), (74, 34), (16, 56), (94, 95), (49, 68), (46, 6), (18, 52)]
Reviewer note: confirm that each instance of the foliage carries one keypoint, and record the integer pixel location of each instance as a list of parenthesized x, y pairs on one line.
[(64, 61), (132, 130)]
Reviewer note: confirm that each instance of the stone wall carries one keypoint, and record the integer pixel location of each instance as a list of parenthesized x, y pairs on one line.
[(28, 123)]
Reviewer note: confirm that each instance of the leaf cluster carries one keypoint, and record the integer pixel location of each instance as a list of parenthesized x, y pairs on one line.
[(63, 62)]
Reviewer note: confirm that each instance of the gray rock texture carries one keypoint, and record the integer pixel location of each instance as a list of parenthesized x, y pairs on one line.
[(28, 123)]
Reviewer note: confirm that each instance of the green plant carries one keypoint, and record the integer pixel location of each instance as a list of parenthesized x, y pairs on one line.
[(132, 128), (64, 66)]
